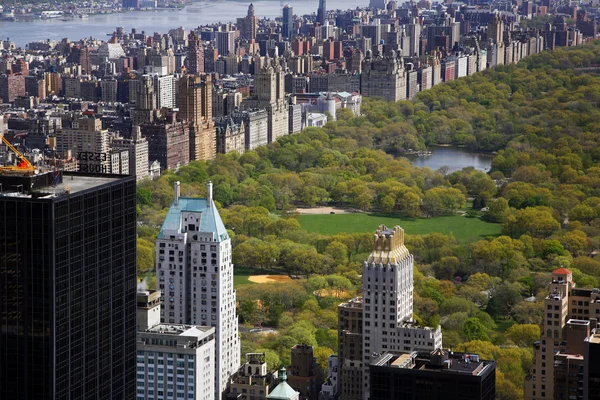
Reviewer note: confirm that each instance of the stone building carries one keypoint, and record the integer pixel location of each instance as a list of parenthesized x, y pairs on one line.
[(383, 77)]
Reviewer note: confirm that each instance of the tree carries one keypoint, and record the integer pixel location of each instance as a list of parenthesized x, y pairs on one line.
[(322, 355), (536, 221), (528, 313), (523, 335), (304, 261), (145, 256), (446, 267), (338, 251), (498, 210), (317, 285), (475, 330), (339, 285)]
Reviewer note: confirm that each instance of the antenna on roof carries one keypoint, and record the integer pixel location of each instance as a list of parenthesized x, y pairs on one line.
[(209, 196), (177, 187)]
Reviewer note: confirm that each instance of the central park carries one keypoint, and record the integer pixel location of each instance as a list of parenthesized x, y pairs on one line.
[(484, 242)]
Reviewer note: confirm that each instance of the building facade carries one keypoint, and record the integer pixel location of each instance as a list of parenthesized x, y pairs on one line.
[(304, 374), (168, 142), (173, 360), (435, 375), (195, 272), (68, 272), (253, 380), (571, 315), (388, 323), (350, 354), (383, 77), (138, 152)]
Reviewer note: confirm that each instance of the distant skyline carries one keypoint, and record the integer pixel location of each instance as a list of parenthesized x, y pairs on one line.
[(98, 26)]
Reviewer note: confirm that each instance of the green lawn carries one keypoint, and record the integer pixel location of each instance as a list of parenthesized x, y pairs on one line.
[(241, 280), (464, 229)]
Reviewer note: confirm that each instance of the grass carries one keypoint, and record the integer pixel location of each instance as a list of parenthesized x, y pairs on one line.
[(463, 229), (241, 280)]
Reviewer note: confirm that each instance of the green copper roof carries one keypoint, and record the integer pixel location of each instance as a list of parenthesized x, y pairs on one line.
[(210, 220), (283, 391)]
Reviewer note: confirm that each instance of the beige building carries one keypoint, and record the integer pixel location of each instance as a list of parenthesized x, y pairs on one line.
[(570, 316), (88, 142), (269, 94), (231, 136), (350, 327), (388, 287), (137, 146), (195, 106), (383, 77), (253, 380)]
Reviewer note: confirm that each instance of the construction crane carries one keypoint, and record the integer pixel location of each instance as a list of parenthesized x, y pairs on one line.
[(22, 166)]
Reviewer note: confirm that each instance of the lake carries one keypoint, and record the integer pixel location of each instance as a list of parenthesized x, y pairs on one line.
[(195, 14), (456, 158)]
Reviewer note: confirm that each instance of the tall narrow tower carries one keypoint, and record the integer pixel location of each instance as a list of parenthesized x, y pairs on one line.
[(388, 324), (195, 273), (195, 57), (322, 12), (288, 22)]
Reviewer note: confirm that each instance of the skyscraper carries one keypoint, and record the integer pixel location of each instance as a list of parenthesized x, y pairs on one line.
[(383, 77), (195, 271), (195, 57), (288, 22), (225, 42), (388, 323), (571, 316), (195, 106), (269, 93), (68, 279), (322, 12)]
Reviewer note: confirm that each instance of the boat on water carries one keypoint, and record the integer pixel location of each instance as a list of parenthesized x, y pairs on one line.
[(83, 16), (424, 153)]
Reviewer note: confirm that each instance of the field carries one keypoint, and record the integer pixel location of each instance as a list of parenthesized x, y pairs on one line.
[(464, 229)]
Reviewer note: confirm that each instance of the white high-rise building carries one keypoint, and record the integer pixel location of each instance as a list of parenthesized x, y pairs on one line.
[(138, 152), (173, 361), (165, 87), (388, 323), (195, 272)]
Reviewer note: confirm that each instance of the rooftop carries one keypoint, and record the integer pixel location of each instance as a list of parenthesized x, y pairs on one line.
[(210, 220), (562, 271), (440, 361), (594, 337), (181, 330), (51, 184)]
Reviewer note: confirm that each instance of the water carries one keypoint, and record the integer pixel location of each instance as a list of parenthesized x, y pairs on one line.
[(456, 158), (202, 13)]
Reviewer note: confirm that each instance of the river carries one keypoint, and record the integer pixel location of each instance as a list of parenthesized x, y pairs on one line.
[(201, 13), (456, 158)]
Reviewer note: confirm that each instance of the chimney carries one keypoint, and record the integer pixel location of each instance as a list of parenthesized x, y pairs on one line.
[(210, 194), (177, 187)]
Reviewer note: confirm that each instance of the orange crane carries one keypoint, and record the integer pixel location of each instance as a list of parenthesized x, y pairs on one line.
[(23, 165)]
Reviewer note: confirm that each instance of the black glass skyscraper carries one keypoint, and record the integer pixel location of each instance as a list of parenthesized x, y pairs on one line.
[(67, 287), (322, 12), (287, 22)]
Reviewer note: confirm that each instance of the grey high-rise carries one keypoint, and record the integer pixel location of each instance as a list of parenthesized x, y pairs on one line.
[(322, 12), (67, 287), (288, 22)]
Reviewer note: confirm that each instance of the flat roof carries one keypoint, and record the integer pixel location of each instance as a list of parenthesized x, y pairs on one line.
[(78, 183), (43, 185), (181, 330)]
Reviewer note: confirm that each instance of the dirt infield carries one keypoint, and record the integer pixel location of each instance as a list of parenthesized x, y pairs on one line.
[(321, 210), (269, 278)]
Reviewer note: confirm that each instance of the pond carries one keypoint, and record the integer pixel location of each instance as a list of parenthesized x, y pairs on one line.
[(455, 158)]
